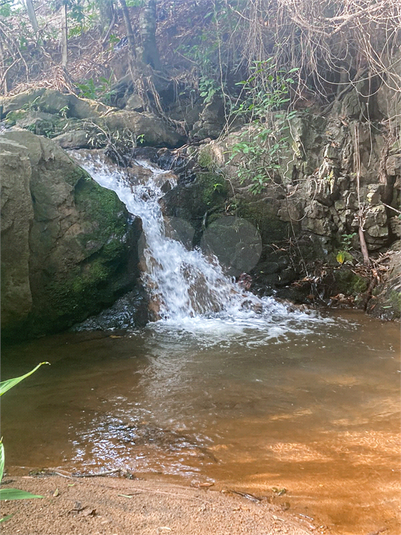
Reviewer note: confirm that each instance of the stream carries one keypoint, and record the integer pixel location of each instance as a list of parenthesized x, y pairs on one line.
[(225, 388)]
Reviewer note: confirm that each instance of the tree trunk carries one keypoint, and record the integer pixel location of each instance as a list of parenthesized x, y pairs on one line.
[(364, 248), (64, 37), (128, 27), (3, 81), (149, 51), (32, 15)]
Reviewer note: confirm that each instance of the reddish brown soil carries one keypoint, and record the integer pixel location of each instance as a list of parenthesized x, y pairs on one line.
[(117, 506)]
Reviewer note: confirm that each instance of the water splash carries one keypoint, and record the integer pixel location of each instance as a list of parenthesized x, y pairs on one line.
[(188, 290)]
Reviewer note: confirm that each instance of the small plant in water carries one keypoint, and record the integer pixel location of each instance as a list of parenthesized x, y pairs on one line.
[(13, 494)]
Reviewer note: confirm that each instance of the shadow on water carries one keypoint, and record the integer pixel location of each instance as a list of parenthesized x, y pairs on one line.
[(315, 411)]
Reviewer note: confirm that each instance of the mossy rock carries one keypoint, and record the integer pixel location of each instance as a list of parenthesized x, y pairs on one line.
[(191, 201), (349, 283), (81, 250), (206, 158)]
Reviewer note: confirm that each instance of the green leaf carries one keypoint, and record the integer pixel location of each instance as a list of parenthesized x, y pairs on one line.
[(10, 383), (5, 518), (16, 494)]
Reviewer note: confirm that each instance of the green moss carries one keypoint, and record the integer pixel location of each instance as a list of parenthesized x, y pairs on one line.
[(349, 283), (395, 300), (205, 159), (213, 188), (101, 206), (94, 283)]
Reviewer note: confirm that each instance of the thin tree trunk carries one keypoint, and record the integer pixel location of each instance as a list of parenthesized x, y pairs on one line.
[(128, 27), (32, 15), (364, 248), (64, 37), (3, 69)]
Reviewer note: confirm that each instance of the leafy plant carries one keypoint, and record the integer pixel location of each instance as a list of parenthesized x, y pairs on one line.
[(208, 88), (346, 242), (13, 494), (63, 112), (260, 147), (343, 256), (90, 90)]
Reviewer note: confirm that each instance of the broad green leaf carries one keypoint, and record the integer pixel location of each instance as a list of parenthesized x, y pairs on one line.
[(16, 494), (6, 385)]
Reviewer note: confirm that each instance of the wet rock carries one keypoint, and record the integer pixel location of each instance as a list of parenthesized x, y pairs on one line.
[(128, 312), (235, 242), (77, 245), (191, 201)]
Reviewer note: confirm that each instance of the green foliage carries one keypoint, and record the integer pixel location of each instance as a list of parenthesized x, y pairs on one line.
[(88, 89), (116, 141), (346, 242), (259, 148), (113, 39), (134, 3), (208, 88), (13, 494), (5, 10), (93, 91), (343, 256), (63, 112)]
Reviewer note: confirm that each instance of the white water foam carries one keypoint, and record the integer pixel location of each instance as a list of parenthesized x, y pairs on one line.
[(192, 293)]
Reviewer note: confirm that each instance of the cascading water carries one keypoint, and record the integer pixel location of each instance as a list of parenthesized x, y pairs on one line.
[(187, 289), (225, 388)]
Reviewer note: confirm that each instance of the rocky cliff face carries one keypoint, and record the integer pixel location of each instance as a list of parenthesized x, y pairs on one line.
[(68, 246), (338, 183)]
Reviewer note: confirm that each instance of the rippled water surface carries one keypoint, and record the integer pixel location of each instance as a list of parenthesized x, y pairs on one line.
[(312, 406)]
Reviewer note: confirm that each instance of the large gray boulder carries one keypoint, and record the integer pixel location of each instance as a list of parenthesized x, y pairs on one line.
[(68, 246)]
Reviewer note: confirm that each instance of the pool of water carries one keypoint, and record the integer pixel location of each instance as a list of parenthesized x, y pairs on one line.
[(314, 411)]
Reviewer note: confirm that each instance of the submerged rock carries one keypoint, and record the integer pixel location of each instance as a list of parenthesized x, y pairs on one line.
[(69, 246)]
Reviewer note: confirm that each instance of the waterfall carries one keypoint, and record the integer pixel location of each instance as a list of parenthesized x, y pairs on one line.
[(183, 284)]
